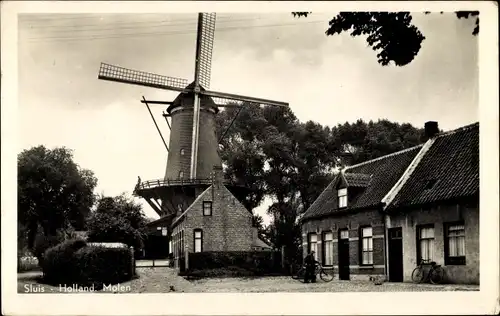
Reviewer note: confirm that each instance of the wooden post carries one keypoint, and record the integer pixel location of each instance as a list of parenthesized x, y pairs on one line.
[(132, 266), (283, 257)]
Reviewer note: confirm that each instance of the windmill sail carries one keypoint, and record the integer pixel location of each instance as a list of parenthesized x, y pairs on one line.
[(142, 78), (203, 61), (205, 43), (223, 99)]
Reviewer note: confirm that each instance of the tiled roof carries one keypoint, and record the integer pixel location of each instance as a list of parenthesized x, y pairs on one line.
[(384, 172), (359, 180), (260, 243), (448, 170)]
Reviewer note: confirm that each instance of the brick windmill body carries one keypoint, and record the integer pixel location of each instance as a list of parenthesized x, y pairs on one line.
[(193, 159)]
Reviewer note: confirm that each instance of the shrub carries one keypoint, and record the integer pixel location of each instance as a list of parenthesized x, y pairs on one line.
[(99, 265), (42, 243), (59, 262), (27, 263)]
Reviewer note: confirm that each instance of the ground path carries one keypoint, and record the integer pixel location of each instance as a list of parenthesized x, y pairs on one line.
[(163, 280)]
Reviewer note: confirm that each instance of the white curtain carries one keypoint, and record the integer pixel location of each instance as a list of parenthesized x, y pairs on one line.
[(456, 238), (427, 243), (328, 249), (366, 234), (197, 241)]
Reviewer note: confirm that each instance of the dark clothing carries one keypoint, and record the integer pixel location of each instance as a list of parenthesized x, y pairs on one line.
[(310, 264)]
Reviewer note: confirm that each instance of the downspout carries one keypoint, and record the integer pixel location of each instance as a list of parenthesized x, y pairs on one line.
[(386, 241)]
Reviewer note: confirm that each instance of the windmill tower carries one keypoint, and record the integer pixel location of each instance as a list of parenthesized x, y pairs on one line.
[(193, 144)]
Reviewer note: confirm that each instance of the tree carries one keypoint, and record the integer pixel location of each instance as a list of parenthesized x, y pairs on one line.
[(269, 150), (391, 34), (117, 219), (258, 222), (363, 141), (53, 191)]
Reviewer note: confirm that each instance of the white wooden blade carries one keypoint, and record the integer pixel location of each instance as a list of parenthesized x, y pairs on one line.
[(204, 48), (130, 76), (195, 135), (223, 99)]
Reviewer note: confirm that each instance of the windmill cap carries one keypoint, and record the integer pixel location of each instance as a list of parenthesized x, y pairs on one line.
[(187, 99)]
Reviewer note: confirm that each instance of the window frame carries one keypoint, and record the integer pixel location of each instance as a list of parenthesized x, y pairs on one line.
[(362, 251), (323, 248), (309, 243), (203, 207), (453, 260), (419, 239), (342, 197), (197, 230)]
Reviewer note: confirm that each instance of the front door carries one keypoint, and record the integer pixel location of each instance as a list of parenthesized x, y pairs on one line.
[(396, 254), (344, 254)]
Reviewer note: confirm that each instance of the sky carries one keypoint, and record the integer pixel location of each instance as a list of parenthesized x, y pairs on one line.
[(326, 79)]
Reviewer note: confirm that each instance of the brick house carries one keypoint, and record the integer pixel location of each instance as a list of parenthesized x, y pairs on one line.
[(371, 217), (215, 221), (345, 225), (434, 209)]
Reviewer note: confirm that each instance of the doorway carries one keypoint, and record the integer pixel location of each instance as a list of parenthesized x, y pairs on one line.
[(344, 254), (396, 254)]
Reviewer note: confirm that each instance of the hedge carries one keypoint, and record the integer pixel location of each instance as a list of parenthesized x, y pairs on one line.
[(99, 265), (76, 263), (58, 265), (253, 262), (42, 244)]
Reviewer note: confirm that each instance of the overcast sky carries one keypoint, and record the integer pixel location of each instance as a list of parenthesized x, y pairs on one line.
[(329, 80)]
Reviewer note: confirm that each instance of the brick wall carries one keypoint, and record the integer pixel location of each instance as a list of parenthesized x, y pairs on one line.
[(180, 138), (229, 228), (438, 215), (354, 222)]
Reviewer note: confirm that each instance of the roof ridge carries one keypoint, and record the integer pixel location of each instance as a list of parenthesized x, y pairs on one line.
[(463, 128), (383, 157), (176, 220), (393, 192)]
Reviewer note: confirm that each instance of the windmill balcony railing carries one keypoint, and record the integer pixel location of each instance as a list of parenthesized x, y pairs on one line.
[(174, 182)]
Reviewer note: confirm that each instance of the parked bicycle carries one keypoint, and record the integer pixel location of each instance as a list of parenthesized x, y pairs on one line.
[(325, 275), (435, 273)]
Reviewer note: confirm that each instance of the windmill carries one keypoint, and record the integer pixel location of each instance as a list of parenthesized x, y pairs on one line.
[(190, 151)]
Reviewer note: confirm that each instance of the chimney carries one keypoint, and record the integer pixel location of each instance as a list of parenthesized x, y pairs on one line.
[(218, 175), (431, 129), (255, 233)]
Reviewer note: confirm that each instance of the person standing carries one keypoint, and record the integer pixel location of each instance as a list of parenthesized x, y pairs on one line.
[(310, 263)]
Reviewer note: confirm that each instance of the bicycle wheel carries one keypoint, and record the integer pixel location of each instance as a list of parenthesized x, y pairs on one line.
[(299, 275), (326, 276), (436, 275), (417, 275)]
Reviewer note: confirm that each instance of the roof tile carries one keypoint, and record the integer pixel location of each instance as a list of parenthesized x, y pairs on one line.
[(384, 172), (449, 169)]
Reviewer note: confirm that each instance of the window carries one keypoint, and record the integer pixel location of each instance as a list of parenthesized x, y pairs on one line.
[(313, 241), (207, 208), (454, 249), (198, 240), (183, 152), (181, 174), (425, 248), (328, 249), (366, 246), (344, 234), (342, 193)]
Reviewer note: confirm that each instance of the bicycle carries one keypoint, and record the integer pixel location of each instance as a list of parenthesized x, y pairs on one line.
[(323, 274), (435, 274)]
